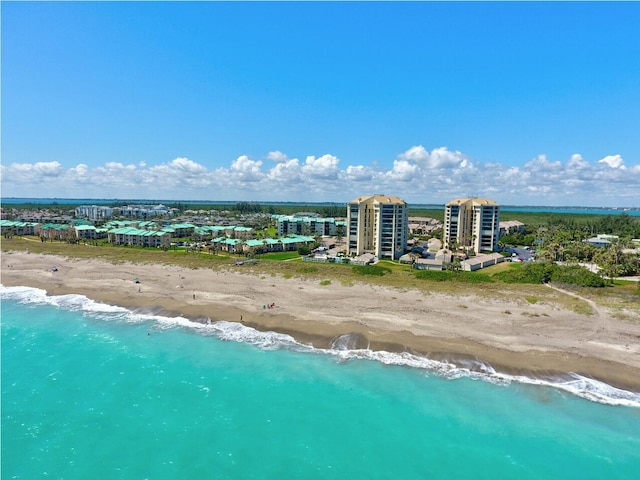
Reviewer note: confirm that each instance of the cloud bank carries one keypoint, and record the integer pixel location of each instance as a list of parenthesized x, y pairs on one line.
[(418, 175)]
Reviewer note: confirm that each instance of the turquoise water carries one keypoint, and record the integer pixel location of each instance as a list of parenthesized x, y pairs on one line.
[(91, 391)]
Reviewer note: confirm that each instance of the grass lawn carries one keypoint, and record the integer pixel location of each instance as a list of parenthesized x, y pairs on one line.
[(501, 267), (278, 256)]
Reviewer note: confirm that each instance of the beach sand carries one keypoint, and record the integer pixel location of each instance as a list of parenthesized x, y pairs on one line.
[(514, 337)]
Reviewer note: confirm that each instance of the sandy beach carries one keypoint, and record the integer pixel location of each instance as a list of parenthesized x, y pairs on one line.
[(513, 336)]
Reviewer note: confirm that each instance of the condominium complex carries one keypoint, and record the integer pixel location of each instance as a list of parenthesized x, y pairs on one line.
[(96, 212), (308, 225), (378, 224), (472, 223)]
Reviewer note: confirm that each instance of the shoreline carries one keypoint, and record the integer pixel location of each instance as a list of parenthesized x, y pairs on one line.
[(452, 328)]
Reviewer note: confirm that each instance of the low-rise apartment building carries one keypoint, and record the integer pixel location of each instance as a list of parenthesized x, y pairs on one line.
[(307, 225)]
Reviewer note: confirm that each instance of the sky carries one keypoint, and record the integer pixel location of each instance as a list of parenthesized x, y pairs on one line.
[(524, 103)]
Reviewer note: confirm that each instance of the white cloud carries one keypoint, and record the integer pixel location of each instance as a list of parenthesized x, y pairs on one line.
[(80, 170), (277, 156), (38, 169), (179, 173), (541, 163), (285, 172), (324, 167), (359, 173), (613, 161), (538, 189), (577, 162), (246, 169), (438, 158), (573, 182), (50, 169), (118, 166), (187, 166), (417, 175), (402, 170)]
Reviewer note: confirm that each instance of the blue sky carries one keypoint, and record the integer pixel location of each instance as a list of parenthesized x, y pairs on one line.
[(524, 103)]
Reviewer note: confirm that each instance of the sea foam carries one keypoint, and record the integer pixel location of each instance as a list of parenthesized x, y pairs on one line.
[(343, 347)]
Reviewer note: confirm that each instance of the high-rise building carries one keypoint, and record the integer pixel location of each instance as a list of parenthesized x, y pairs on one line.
[(378, 224), (472, 223)]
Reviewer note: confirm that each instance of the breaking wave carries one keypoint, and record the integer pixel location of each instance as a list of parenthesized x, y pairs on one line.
[(344, 348)]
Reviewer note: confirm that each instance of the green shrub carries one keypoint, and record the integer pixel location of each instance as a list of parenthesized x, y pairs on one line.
[(457, 276), (543, 272), (576, 275), (308, 269), (533, 272), (434, 275), (370, 270)]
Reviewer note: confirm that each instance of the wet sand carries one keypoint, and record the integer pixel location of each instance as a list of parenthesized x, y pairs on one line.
[(513, 336)]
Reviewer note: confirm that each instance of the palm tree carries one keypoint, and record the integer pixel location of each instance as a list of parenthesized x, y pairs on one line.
[(339, 233), (456, 263)]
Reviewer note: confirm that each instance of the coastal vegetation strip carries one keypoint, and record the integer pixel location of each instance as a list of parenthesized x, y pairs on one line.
[(500, 283)]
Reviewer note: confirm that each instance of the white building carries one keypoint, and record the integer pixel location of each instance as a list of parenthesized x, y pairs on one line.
[(93, 212), (142, 211), (378, 224), (472, 223)]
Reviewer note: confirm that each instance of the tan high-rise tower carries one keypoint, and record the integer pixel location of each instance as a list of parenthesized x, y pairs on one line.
[(378, 224), (472, 223)]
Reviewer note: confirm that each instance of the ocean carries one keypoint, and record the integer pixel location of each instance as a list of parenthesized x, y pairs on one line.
[(97, 391)]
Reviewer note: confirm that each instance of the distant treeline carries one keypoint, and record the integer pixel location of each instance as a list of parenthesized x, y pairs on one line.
[(576, 225)]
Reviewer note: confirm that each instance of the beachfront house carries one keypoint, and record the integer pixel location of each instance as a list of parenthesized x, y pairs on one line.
[(602, 240)]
